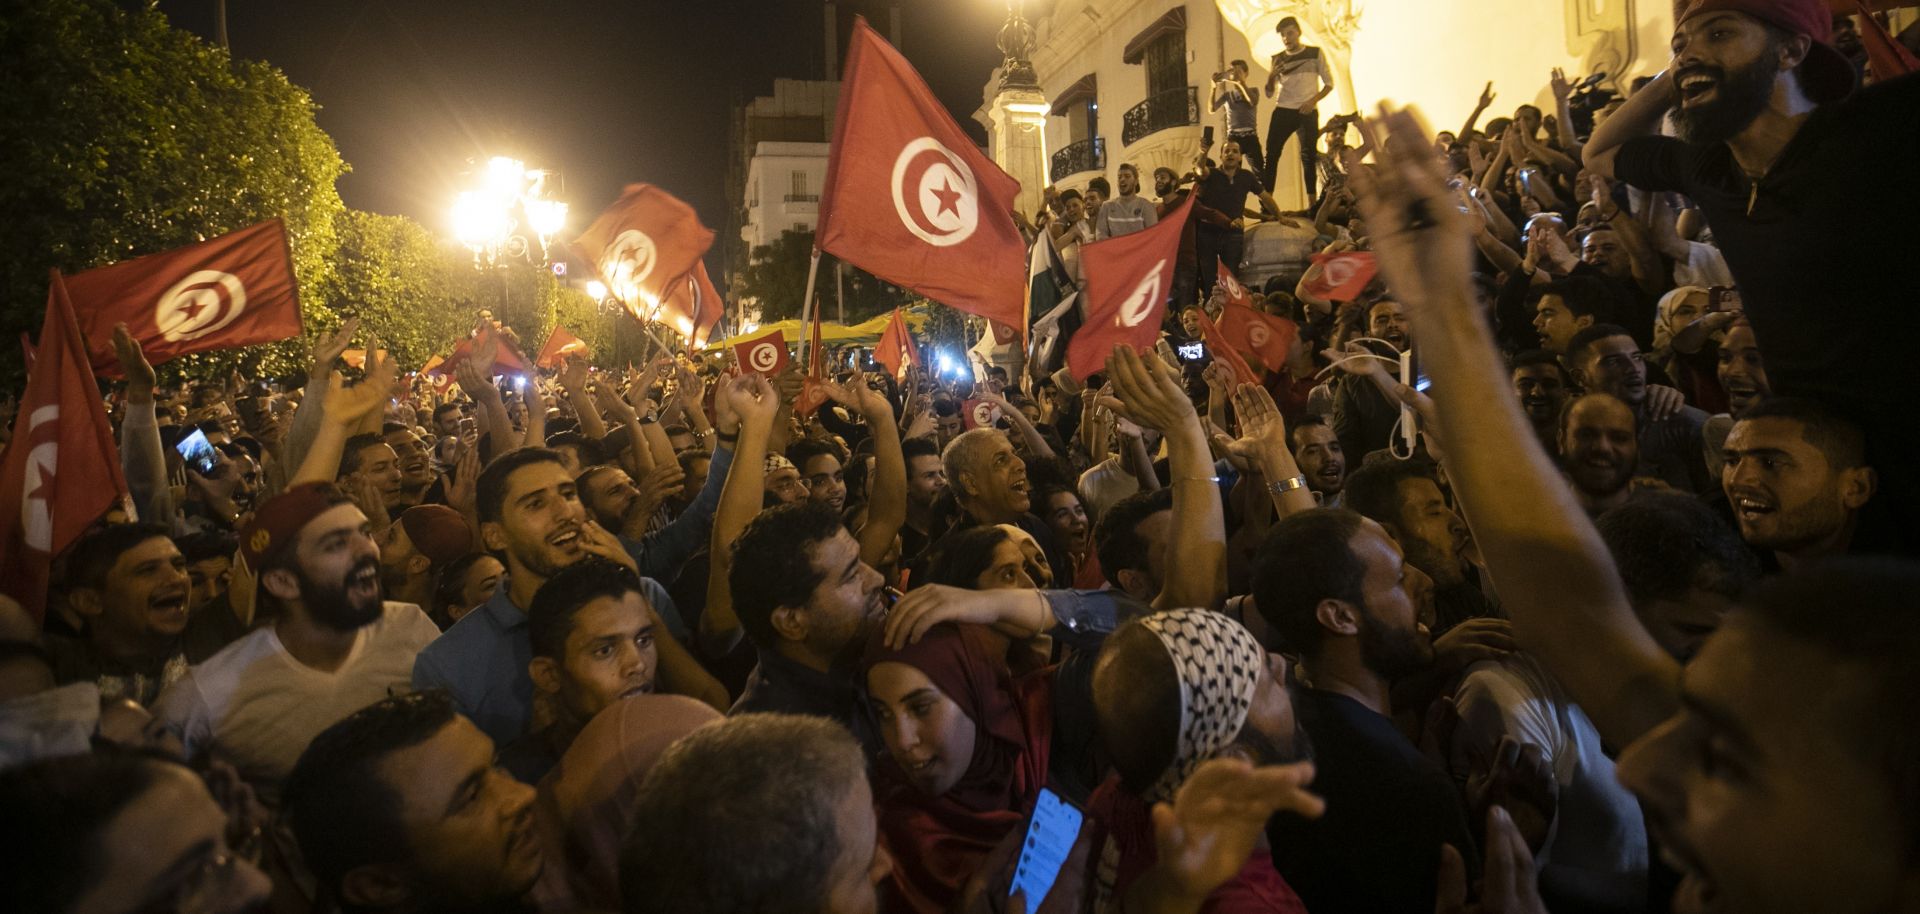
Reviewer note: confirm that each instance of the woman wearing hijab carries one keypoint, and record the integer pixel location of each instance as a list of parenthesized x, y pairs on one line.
[(968, 748), (584, 806)]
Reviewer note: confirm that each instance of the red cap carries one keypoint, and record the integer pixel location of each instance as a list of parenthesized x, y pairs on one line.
[(439, 532), (1826, 75), (276, 524)]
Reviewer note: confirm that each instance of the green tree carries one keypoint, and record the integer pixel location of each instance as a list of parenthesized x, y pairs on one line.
[(126, 136), (392, 274), (776, 277)]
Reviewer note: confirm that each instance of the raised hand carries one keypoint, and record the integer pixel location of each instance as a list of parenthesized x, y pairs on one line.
[(1518, 779), (366, 494), (1471, 642), (327, 349), (752, 399), (598, 541), (1261, 426), (1486, 95), (1147, 392), (462, 483), (1664, 402), (1218, 816), (133, 363), (860, 396), (1559, 84), (664, 481), (1508, 884), (573, 377)]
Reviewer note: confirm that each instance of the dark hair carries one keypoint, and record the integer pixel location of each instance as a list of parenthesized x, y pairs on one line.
[(211, 544), (1859, 612), (1066, 195), (443, 409), (1665, 544), (550, 617), (343, 814), (773, 564), (50, 849), (1286, 21), (453, 579), (741, 817), (918, 447), (1117, 540), (1528, 358), (1136, 703), (350, 452), (1310, 420), (947, 408), (688, 456), (388, 428), (806, 449), (93, 558), (1582, 295), (1238, 63), (1373, 490), (675, 429), (490, 490), (959, 557), (1100, 184), (1307, 558), (1589, 335), (589, 449), (1836, 437)]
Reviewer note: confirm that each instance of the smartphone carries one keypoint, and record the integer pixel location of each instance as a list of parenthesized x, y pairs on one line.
[(1050, 836), (1206, 137), (1409, 422), (198, 453), (1191, 352), (1723, 298)]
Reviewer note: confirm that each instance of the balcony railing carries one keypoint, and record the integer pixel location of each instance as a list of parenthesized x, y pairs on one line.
[(1172, 108), (1087, 155), (803, 198)]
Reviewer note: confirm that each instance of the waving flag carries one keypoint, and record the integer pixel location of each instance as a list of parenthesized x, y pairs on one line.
[(908, 196), (693, 306), (1230, 284), (235, 290), (1262, 336), (506, 358), (1128, 281), (560, 344), (46, 503), (765, 354), (641, 244), (1223, 350), (896, 349), (1342, 276)]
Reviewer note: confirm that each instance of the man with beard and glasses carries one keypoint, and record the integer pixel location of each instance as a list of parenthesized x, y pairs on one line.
[(530, 511), (1786, 167), (1404, 498), (1605, 359), (1335, 589), (334, 645), (1598, 451), (1797, 478), (400, 809), (1541, 383)]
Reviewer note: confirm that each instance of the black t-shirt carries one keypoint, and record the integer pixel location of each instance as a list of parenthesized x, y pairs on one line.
[(1823, 248), (1389, 808), (1228, 194)]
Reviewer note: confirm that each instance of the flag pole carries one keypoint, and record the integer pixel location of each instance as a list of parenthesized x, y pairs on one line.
[(806, 301)]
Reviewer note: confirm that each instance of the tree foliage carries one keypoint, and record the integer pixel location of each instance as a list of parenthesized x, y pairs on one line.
[(126, 136), (776, 278)]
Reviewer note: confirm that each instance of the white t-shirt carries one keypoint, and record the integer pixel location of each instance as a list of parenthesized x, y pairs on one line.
[(257, 707), (1104, 484), (1704, 267)]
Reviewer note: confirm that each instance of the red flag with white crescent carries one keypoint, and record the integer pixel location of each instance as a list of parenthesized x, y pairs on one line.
[(1263, 336), (693, 306), (1230, 284), (908, 196), (641, 244), (47, 502), (234, 290), (1342, 276), (1224, 350), (1128, 281), (765, 354), (896, 349), (560, 344)]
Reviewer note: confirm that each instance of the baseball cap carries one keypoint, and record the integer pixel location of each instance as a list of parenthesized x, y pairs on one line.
[(276, 524), (439, 532), (1826, 75)]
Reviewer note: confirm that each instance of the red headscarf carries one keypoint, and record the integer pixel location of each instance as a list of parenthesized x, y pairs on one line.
[(938, 843)]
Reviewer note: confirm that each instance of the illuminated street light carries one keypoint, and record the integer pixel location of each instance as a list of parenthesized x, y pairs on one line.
[(596, 290), (487, 218)]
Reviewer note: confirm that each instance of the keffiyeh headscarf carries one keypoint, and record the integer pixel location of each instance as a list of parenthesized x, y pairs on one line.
[(778, 462), (1218, 663)]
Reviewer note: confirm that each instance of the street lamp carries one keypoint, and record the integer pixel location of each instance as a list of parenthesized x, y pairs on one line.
[(487, 218)]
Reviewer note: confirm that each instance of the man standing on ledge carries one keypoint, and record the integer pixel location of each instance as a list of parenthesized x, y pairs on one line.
[(1789, 165), (1297, 81)]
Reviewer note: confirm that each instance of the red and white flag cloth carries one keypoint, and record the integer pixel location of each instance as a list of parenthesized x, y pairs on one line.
[(693, 306), (1261, 336), (1230, 284), (1128, 281), (47, 502), (910, 199), (1342, 276), (560, 344), (896, 349), (765, 354), (979, 414), (235, 290), (642, 244), (506, 357), (1224, 351)]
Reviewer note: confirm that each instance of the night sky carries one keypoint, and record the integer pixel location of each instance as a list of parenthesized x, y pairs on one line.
[(605, 92)]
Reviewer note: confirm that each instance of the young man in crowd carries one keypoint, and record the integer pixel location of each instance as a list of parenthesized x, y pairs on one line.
[(1404, 498), (369, 465), (1797, 478), (820, 464), (413, 552), (399, 807), (1221, 233), (593, 644), (1605, 359), (1230, 91), (1321, 458), (1299, 79), (1127, 213), (1599, 450), (1541, 384), (129, 583), (926, 482)]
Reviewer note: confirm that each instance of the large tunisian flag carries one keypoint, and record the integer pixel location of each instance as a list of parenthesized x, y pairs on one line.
[(642, 243), (235, 290), (910, 199), (694, 304), (1128, 281), (45, 502)]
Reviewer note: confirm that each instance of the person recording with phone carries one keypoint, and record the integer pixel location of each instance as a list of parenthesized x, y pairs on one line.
[(1230, 91)]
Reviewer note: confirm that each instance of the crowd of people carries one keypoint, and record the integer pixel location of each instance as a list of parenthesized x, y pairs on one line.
[(1607, 612)]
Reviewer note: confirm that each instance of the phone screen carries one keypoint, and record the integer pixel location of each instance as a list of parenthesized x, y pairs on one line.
[(197, 451), (1191, 352), (1050, 836)]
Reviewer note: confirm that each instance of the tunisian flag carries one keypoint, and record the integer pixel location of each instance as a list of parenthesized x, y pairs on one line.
[(1342, 276), (910, 199), (45, 503), (1230, 284), (642, 243), (560, 344), (1262, 336), (694, 304), (1210, 332), (235, 290), (896, 349), (765, 354), (1128, 281)]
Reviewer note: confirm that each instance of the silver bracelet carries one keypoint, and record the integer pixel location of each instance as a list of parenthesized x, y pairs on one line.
[(1283, 486)]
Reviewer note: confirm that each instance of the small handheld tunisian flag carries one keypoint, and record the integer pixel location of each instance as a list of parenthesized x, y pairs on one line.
[(1225, 351), (506, 358), (910, 199), (693, 304), (896, 349), (1230, 284), (1262, 336), (560, 344), (642, 243), (979, 414), (1342, 276), (765, 354), (1128, 281), (235, 290), (45, 503)]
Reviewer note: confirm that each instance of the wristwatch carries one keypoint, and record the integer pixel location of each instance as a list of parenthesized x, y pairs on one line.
[(1283, 486)]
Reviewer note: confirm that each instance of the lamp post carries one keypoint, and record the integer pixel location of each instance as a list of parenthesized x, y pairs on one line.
[(489, 218)]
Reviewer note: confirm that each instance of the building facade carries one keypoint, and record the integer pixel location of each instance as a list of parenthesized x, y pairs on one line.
[(782, 191)]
